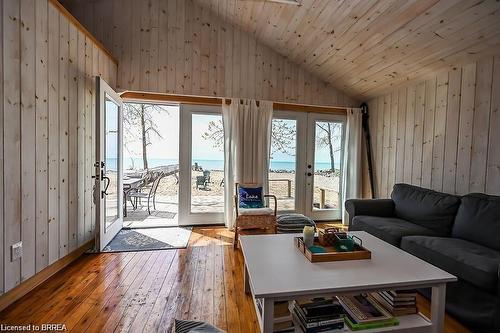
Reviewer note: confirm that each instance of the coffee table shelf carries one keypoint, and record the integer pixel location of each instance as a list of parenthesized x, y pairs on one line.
[(409, 323), (288, 275)]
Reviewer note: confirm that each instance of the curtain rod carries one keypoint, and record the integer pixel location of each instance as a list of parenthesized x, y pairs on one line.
[(159, 97)]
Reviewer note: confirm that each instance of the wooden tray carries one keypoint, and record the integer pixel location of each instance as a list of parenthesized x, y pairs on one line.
[(331, 253)]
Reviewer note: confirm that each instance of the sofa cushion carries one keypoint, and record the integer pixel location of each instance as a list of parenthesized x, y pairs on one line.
[(469, 261), (388, 229), (430, 209), (478, 220)]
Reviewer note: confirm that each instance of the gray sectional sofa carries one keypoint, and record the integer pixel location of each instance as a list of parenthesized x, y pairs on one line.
[(459, 234)]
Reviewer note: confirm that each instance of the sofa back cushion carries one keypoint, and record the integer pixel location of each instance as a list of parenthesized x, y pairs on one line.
[(478, 220), (430, 209)]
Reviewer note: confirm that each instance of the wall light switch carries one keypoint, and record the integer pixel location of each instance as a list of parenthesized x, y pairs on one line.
[(16, 251)]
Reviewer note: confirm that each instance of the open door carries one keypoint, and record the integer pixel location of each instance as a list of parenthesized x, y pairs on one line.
[(108, 192)]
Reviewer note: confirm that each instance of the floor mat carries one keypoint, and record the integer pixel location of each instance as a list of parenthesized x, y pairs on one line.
[(150, 239), (141, 219)]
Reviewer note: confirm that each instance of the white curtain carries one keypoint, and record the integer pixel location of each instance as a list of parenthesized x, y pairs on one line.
[(351, 177), (247, 136)]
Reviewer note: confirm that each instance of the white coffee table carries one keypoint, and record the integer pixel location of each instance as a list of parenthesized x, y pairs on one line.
[(276, 271)]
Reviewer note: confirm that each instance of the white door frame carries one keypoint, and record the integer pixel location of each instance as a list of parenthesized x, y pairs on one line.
[(323, 214), (105, 235), (186, 217)]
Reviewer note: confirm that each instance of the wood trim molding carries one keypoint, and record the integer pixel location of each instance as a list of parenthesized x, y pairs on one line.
[(157, 97), (26, 286), (80, 27), (143, 96)]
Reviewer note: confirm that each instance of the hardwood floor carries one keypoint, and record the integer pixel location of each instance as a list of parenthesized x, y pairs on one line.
[(145, 291)]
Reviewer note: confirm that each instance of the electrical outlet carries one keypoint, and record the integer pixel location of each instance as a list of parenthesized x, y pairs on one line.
[(16, 251)]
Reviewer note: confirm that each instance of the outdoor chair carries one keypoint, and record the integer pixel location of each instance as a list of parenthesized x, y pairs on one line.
[(203, 181), (251, 209), (150, 195)]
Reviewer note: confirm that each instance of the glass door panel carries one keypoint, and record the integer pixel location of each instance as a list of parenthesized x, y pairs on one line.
[(324, 169), (207, 161), (283, 163), (327, 165), (111, 111), (201, 178)]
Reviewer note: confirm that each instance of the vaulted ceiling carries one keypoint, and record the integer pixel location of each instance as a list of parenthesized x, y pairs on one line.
[(365, 47)]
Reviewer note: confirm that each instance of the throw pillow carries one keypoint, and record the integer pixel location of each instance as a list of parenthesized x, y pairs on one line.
[(251, 197)]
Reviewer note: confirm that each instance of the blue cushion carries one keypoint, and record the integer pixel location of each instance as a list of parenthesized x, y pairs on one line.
[(250, 197)]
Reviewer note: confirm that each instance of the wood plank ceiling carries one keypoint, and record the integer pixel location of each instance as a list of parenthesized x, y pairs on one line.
[(365, 47)]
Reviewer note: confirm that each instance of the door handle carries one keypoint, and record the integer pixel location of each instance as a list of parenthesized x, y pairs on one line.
[(107, 185)]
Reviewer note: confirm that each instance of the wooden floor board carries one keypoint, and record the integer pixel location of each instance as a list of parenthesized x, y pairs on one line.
[(146, 291)]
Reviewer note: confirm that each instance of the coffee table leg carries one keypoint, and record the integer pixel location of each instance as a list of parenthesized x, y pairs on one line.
[(246, 281), (438, 301), (268, 316)]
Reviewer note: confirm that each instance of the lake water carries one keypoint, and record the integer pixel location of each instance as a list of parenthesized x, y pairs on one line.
[(136, 163)]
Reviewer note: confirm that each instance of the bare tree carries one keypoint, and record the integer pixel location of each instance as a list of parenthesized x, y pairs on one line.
[(139, 126), (330, 134), (215, 133), (282, 136)]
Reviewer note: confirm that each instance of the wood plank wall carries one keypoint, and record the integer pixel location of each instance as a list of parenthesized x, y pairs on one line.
[(178, 46), (47, 68), (442, 133)]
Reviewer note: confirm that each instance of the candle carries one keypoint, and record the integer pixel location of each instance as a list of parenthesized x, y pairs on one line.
[(308, 235)]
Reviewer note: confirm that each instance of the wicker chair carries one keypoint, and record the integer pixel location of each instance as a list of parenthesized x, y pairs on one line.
[(253, 218)]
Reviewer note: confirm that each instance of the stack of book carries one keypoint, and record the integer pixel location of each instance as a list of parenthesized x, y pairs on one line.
[(317, 314), (397, 302), (363, 312)]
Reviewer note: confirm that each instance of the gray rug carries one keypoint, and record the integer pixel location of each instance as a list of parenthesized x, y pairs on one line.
[(150, 239)]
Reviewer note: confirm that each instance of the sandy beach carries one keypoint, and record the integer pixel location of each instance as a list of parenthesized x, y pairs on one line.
[(211, 198), (278, 186)]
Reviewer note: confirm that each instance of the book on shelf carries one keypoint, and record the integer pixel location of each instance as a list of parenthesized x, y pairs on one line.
[(325, 321), (397, 303), (355, 326), (395, 309), (339, 324), (320, 306), (364, 309), (397, 296), (317, 314)]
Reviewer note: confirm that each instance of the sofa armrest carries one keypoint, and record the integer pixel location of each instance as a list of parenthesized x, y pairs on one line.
[(370, 207)]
